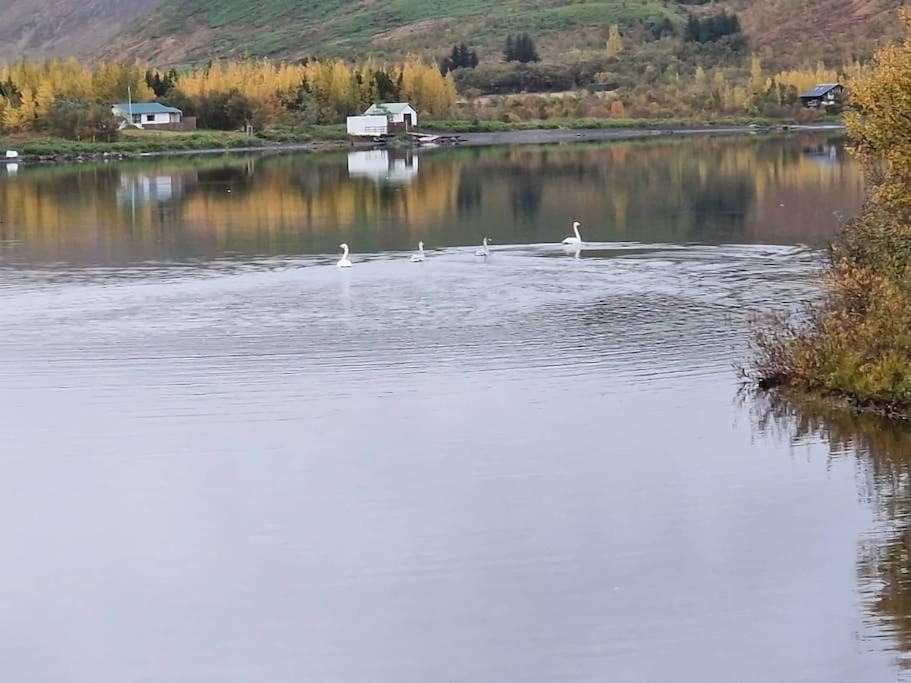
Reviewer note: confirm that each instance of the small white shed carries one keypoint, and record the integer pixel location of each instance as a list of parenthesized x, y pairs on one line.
[(398, 113), (368, 126)]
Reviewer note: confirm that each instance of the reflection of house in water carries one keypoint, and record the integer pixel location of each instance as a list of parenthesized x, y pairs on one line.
[(383, 166), (825, 155), (158, 189)]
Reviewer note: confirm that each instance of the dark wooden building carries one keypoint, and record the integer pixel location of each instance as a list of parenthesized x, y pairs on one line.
[(824, 95)]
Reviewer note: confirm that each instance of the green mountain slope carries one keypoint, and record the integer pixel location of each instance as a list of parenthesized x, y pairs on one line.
[(183, 31), (180, 32)]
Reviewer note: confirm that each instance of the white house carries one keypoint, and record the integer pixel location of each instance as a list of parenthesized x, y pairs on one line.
[(147, 114), (383, 119)]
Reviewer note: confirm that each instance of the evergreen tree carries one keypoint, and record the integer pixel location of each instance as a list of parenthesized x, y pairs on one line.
[(712, 28), (9, 91), (521, 49), (693, 31), (509, 52), (462, 56), (459, 58), (386, 89), (659, 29)]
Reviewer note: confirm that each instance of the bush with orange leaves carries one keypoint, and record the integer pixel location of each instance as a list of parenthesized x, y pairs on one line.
[(857, 341)]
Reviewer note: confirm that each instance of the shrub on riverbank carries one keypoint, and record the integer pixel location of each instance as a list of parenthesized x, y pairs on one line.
[(857, 341)]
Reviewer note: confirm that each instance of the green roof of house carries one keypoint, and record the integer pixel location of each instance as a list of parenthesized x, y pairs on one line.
[(388, 108), (146, 108)]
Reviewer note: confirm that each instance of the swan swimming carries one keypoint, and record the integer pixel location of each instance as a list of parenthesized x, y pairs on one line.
[(484, 250), (577, 239), (419, 257), (343, 262)]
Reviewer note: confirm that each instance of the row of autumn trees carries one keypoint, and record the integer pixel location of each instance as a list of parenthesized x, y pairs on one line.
[(223, 95)]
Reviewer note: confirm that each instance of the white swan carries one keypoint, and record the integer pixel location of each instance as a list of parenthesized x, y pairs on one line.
[(577, 239), (343, 262), (484, 250), (417, 258)]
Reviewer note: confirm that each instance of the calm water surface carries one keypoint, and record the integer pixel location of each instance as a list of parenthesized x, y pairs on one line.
[(224, 459)]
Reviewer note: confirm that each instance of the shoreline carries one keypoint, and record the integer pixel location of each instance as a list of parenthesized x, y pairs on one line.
[(562, 135), (887, 410), (449, 141)]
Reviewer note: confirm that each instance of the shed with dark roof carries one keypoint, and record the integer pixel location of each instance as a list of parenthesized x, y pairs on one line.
[(824, 95)]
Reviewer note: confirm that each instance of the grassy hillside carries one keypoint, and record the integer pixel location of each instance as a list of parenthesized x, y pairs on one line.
[(807, 30), (44, 28), (182, 32), (186, 31)]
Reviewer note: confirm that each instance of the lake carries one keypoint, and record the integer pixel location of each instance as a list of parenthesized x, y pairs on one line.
[(223, 458)]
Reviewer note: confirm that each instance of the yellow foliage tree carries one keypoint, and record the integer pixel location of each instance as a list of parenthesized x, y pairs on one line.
[(757, 77), (880, 123), (21, 118), (614, 41), (44, 98), (113, 82), (427, 88)]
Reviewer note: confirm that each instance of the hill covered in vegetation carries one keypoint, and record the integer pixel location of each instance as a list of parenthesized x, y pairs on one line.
[(798, 31), (44, 28), (186, 32), (182, 31)]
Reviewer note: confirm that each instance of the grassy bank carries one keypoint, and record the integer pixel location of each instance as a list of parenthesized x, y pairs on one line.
[(146, 141), (856, 343)]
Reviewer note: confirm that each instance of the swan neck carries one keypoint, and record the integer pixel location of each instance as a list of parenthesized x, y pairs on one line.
[(345, 255), (576, 230)]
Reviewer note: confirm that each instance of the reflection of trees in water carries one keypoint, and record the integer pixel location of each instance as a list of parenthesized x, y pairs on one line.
[(525, 186), (468, 196), (883, 451), (217, 181), (718, 202), (689, 190), (669, 190), (525, 192)]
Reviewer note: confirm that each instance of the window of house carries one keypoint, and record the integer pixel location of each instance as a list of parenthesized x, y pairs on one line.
[(136, 118), (150, 118)]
